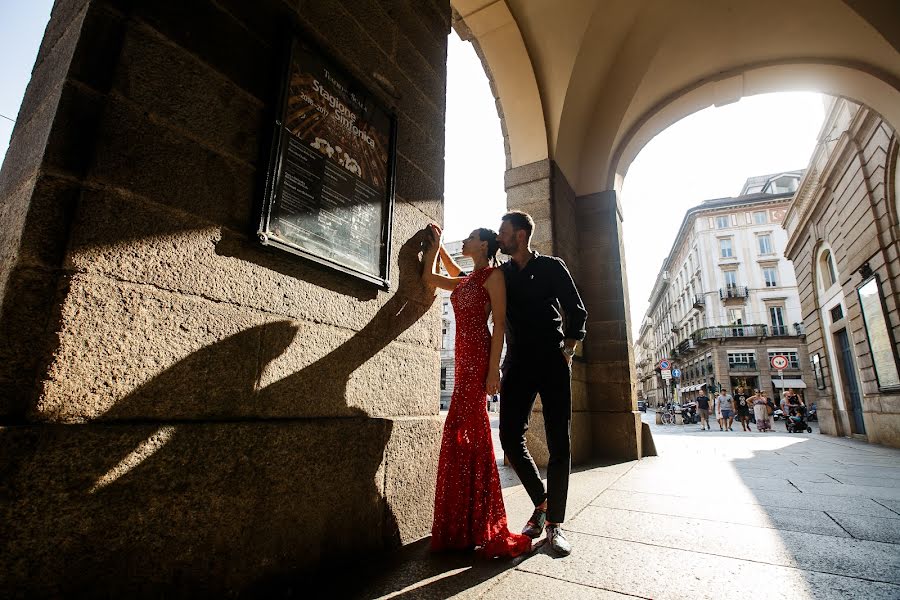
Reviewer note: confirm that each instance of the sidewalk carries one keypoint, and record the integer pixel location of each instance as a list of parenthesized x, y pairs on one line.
[(716, 515)]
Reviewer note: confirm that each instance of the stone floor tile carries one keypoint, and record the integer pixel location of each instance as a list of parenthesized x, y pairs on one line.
[(810, 501), (668, 573), (877, 529), (519, 585), (892, 505), (794, 519), (860, 491), (835, 555), (867, 481)]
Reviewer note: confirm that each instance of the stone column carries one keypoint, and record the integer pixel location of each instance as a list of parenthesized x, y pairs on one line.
[(182, 408), (609, 403), (586, 233)]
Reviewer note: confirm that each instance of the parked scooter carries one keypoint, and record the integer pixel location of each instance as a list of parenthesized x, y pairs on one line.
[(811, 413), (778, 414), (689, 413)]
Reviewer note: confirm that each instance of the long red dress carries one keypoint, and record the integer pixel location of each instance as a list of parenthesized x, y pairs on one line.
[(468, 503)]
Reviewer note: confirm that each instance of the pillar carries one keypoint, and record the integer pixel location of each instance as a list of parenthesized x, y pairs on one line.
[(184, 412)]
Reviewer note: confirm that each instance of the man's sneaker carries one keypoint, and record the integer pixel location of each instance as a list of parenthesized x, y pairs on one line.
[(535, 526), (558, 541)]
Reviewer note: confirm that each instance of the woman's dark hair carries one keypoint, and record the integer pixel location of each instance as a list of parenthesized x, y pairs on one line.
[(489, 236)]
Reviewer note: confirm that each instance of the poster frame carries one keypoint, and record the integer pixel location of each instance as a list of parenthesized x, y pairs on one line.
[(275, 169)]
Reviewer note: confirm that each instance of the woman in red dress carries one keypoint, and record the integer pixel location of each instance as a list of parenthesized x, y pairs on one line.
[(468, 503)]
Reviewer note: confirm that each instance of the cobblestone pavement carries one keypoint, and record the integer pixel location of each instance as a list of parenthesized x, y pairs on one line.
[(716, 515)]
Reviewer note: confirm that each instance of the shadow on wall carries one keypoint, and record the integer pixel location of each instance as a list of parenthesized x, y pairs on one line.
[(148, 502)]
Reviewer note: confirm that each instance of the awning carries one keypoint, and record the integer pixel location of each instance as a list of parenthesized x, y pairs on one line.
[(788, 383)]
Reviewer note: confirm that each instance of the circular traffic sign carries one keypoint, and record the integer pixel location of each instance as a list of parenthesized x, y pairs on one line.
[(676, 373), (779, 362), (664, 364)]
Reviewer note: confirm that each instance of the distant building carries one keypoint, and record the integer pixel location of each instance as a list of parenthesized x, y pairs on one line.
[(844, 232), (448, 327), (725, 300)]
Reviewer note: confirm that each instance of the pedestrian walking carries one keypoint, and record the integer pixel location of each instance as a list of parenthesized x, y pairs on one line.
[(742, 407), (703, 409), (725, 408), (761, 410)]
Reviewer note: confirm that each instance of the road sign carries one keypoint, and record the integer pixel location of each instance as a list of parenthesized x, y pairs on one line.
[(664, 364), (779, 362), (676, 373), (666, 374)]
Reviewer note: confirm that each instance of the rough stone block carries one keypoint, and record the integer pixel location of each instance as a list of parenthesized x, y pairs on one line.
[(616, 434), (175, 85), (411, 458), (124, 510), (140, 242), (158, 355), (172, 169), (200, 27), (535, 171)]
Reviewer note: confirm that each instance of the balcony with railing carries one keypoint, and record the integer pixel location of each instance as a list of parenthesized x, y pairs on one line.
[(728, 331), (687, 345), (734, 292), (799, 329), (699, 302), (778, 330)]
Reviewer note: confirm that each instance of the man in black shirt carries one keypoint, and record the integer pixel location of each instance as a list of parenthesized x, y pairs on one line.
[(539, 351), (703, 409)]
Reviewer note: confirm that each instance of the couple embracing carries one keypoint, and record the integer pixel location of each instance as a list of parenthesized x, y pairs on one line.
[(523, 297)]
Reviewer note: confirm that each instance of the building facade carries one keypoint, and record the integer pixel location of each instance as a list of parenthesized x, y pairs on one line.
[(843, 241), (725, 301)]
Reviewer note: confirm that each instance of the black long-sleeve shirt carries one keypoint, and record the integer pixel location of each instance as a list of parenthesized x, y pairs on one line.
[(534, 296)]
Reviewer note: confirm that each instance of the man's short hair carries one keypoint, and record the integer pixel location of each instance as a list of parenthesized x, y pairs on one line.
[(520, 221)]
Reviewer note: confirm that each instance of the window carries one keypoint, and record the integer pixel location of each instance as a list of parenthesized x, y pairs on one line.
[(837, 313), (730, 279), (827, 272), (722, 222), (765, 243), (725, 248), (736, 316), (791, 355), (443, 378), (776, 318), (742, 359), (770, 274), (817, 371), (760, 217)]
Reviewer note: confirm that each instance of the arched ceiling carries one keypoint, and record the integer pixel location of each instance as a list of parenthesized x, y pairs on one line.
[(589, 82)]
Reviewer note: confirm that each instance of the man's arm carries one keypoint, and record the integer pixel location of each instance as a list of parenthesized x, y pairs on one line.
[(570, 300)]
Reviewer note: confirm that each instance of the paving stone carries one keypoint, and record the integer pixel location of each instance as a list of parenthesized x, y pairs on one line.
[(892, 505), (811, 501), (839, 489), (599, 562), (796, 519), (867, 481), (877, 529), (528, 586), (838, 556)]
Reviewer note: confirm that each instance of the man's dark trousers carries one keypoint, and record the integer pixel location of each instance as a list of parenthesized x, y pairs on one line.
[(546, 373)]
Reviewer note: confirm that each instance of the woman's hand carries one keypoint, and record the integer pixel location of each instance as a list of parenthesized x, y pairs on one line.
[(492, 384)]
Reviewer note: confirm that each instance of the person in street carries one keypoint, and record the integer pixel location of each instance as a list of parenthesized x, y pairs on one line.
[(725, 408), (761, 411), (742, 408), (540, 344), (703, 409), (468, 505)]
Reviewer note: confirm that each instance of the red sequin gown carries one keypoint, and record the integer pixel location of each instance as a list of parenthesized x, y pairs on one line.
[(468, 503)]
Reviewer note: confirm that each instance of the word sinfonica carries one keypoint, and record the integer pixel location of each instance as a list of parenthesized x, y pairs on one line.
[(342, 114)]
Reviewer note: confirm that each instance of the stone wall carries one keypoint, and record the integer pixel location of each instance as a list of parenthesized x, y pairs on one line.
[(853, 214), (183, 408)]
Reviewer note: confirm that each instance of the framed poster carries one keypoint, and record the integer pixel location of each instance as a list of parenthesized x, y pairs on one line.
[(330, 187), (881, 343)]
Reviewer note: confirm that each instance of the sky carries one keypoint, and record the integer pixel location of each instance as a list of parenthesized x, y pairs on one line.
[(22, 24), (706, 155)]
